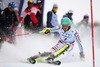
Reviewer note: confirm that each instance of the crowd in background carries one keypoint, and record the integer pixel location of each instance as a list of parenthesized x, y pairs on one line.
[(31, 18), (8, 23)]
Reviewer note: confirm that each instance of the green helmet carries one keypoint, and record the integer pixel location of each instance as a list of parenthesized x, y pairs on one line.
[(65, 20)]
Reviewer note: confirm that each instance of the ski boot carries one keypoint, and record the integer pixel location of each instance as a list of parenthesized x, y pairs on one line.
[(33, 59)]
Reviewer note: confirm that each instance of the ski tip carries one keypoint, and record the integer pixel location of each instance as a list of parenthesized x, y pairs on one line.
[(57, 62), (33, 61)]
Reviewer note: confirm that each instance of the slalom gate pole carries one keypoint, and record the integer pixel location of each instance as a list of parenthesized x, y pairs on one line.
[(92, 29), (16, 35)]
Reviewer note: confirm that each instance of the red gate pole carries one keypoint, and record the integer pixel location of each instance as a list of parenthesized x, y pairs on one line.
[(92, 29)]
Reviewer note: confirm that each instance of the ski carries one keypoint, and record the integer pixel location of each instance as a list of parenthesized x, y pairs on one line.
[(55, 62), (33, 61), (38, 58)]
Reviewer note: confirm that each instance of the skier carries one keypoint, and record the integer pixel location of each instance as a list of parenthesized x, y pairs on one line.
[(68, 36)]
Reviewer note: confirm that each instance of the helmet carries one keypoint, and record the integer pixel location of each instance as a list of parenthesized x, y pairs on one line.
[(65, 20), (12, 4), (70, 11)]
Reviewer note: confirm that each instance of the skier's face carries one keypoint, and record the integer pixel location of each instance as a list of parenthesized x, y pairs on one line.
[(65, 27)]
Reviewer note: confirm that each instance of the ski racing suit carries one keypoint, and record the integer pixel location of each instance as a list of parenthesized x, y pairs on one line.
[(66, 42)]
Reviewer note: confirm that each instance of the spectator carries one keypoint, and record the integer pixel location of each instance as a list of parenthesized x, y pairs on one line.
[(29, 15), (27, 18), (84, 21), (69, 14), (9, 22), (52, 20)]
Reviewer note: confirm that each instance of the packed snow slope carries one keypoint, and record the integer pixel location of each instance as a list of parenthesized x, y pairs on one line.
[(29, 45)]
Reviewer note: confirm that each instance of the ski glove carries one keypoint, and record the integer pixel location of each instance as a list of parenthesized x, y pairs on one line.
[(82, 55), (45, 30)]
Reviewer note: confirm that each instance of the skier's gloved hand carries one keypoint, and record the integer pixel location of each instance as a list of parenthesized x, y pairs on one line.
[(82, 54), (45, 30)]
